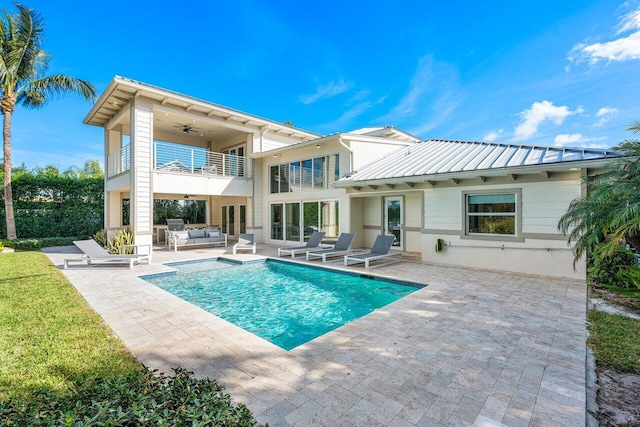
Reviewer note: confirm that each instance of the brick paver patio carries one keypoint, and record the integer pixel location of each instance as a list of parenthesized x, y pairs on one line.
[(472, 348)]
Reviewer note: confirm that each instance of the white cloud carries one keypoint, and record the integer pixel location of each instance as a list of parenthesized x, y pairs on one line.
[(629, 22), (539, 113), (623, 48), (605, 114), (578, 139), (329, 90), (493, 136), (568, 138), (604, 111)]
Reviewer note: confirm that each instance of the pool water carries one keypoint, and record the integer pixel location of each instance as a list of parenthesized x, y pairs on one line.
[(283, 303)]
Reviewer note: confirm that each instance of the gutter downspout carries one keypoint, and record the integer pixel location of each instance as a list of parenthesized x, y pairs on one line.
[(350, 154)]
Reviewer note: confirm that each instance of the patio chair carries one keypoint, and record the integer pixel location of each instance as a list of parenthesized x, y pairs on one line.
[(94, 254), (342, 247), (381, 250), (313, 243), (245, 242), (174, 166)]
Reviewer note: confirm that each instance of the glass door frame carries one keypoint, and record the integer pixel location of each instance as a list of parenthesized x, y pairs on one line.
[(396, 230), (228, 213)]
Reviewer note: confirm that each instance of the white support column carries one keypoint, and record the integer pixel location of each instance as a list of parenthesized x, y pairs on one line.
[(112, 143), (141, 219)]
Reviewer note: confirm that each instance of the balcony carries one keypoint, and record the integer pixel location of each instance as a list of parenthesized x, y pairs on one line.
[(119, 162), (172, 158)]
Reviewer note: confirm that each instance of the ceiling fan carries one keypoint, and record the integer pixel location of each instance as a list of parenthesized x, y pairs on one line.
[(186, 128)]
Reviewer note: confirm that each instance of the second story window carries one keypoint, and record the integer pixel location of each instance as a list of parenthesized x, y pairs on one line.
[(303, 175)]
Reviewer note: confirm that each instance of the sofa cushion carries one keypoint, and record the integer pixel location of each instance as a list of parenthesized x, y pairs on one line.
[(215, 233), (181, 235), (199, 241), (197, 234)]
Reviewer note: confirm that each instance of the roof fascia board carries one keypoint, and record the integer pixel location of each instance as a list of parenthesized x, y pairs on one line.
[(366, 138), (345, 137), (302, 144), (111, 87)]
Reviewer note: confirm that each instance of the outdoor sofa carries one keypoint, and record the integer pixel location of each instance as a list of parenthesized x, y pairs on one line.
[(194, 238)]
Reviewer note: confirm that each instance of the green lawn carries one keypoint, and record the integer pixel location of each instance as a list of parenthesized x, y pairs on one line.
[(615, 341), (633, 293), (49, 337)]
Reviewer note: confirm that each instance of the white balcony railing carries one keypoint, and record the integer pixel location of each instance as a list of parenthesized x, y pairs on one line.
[(174, 158), (119, 162)]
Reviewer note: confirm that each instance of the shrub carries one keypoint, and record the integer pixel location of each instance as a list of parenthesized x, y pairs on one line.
[(101, 238), (56, 206), (37, 244), (1, 246), (23, 244), (124, 237), (141, 399), (616, 268)]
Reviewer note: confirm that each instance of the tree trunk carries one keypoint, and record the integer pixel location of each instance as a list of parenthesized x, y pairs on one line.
[(8, 196)]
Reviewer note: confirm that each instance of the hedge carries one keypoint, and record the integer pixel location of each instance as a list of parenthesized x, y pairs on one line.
[(55, 206)]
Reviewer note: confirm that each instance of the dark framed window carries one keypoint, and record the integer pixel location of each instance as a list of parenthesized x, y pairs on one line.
[(492, 214)]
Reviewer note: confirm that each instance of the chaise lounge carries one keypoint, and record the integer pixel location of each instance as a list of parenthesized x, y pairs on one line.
[(381, 250), (314, 243), (94, 254), (342, 247)]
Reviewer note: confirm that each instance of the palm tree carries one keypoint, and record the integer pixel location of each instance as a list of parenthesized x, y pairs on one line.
[(610, 211), (23, 65)]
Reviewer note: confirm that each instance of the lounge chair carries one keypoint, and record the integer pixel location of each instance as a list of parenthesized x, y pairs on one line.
[(245, 242), (314, 243), (381, 250), (342, 247), (95, 254)]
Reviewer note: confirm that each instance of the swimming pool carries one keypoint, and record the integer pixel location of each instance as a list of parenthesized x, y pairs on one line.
[(283, 303)]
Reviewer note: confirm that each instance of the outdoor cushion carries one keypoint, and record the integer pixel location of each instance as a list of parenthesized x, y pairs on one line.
[(214, 233), (181, 235), (197, 234)]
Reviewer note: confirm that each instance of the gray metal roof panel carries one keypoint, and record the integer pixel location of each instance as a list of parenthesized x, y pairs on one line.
[(444, 156)]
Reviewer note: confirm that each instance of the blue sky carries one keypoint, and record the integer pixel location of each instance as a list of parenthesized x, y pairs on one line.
[(545, 72)]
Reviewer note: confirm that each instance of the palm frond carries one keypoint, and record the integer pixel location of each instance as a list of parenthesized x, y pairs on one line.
[(26, 54), (37, 92), (635, 127)]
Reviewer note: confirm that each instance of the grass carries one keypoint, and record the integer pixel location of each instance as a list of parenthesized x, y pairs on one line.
[(633, 293), (49, 337), (615, 341)]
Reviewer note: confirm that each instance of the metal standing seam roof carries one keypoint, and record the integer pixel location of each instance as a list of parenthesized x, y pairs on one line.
[(444, 156)]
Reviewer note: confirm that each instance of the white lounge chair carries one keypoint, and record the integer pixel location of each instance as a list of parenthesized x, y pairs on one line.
[(246, 242), (95, 254), (342, 247), (314, 243), (381, 250)]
